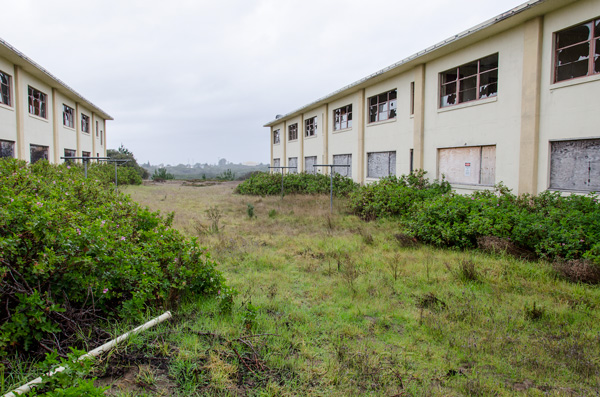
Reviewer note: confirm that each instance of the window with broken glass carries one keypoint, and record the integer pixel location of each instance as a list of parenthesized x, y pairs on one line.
[(85, 123), (68, 116), (383, 106), (310, 127), (381, 164), (69, 153), (37, 102), (293, 132), (7, 149), (5, 84), (342, 118), (85, 154), (38, 153), (276, 137), (577, 51), (469, 82)]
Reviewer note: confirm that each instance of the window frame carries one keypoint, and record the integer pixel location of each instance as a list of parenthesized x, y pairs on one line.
[(38, 102), (2, 149), (373, 102), (85, 123), (594, 48), (41, 148), (338, 115), (276, 137), (294, 130), (461, 79), (310, 127), (68, 116), (6, 89)]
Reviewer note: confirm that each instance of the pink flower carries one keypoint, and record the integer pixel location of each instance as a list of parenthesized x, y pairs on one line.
[(39, 204), (122, 238), (78, 231), (105, 290)]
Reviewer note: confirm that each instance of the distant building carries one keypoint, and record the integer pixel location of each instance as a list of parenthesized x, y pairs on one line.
[(515, 99), (43, 118)]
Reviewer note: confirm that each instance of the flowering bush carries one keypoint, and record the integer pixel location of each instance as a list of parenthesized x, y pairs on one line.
[(267, 184), (72, 250)]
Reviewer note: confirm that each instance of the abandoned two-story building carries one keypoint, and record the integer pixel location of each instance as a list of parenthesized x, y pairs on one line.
[(43, 118), (515, 100)]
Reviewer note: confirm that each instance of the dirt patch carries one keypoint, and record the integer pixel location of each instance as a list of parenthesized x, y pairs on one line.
[(138, 379)]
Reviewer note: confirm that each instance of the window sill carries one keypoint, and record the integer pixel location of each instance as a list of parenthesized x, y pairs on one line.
[(7, 107), (342, 130), (573, 191), (468, 104), (33, 116), (310, 137), (292, 140), (85, 133), (66, 127), (575, 81), (466, 186), (277, 144), (382, 122)]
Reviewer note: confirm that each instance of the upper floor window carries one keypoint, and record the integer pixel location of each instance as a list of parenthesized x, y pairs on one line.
[(96, 128), (310, 126), (383, 106), (276, 137), (5, 84), (469, 82), (68, 116), (342, 118), (37, 102), (577, 51), (85, 123), (293, 132)]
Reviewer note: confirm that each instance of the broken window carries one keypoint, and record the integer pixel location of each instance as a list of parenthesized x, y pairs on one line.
[(343, 159), (310, 127), (342, 118), (85, 154), (309, 164), (276, 137), (85, 123), (293, 132), (277, 163), (470, 82), (381, 164), (383, 106), (293, 162), (5, 87), (7, 149), (38, 153), (68, 116), (473, 165), (70, 153), (577, 51), (37, 102), (575, 165)]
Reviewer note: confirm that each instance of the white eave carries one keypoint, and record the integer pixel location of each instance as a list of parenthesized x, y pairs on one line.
[(504, 21), (19, 59)]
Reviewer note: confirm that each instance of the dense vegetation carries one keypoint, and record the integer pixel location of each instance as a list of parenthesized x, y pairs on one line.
[(122, 153), (267, 184), (224, 170), (73, 252)]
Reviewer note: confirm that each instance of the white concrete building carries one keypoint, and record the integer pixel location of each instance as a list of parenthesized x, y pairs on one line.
[(43, 118), (512, 100)]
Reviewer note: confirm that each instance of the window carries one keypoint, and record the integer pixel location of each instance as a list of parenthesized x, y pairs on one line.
[(38, 153), (310, 127), (469, 82), (474, 165), (575, 165), (85, 123), (85, 154), (577, 51), (412, 98), (5, 87), (293, 132), (383, 106), (68, 116), (7, 149), (276, 137), (343, 159), (342, 118), (70, 153), (277, 163), (37, 102), (309, 164), (293, 162), (381, 164), (97, 130), (101, 135)]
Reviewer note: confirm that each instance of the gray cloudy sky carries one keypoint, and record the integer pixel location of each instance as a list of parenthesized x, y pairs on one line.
[(194, 81)]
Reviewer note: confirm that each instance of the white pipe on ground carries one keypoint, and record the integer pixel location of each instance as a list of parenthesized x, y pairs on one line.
[(93, 353)]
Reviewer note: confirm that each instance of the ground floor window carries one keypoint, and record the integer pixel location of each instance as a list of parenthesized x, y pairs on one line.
[(293, 162), (309, 164), (473, 165), (276, 163), (70, 153), (85, 154), (7, 149), (381, 164), (343, 159), (38, 153), (575, 165)]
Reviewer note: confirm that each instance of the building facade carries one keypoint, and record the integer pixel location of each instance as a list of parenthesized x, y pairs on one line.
[(43, 118), (512, 100)]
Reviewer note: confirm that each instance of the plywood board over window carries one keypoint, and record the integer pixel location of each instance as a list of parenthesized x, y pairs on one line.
[(293, 162), (575, 165), (276, 163), (343, 159), (381, 164), (309, 164), (473, 165)]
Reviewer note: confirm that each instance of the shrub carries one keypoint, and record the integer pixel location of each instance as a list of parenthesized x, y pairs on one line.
[(72, 251), (267, 184), (161, 174)]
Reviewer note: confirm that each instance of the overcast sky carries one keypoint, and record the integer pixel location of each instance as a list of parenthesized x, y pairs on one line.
[(194, 81)]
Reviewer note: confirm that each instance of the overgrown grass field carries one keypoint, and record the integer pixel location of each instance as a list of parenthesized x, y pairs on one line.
[(333, 305)]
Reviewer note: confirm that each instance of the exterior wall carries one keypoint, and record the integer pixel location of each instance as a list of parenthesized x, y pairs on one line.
[(344, 141), (8, 116), (313, 145), (67, 136), (38, 130), (489, 121), (569, 109)]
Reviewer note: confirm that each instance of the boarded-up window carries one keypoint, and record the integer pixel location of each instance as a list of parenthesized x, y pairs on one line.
[(293, 162), (381, 164), (309, 163), (575, 165), (38, 153), (7, 149), (473, 165), (343, 159), (277, 163)]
